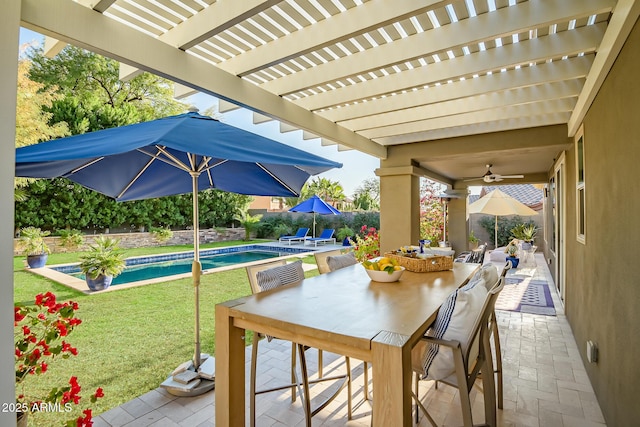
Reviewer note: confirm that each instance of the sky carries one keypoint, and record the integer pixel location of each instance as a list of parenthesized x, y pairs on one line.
[(356, 168)]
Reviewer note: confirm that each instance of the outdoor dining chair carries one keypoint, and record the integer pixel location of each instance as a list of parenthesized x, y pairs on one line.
[(336, 262), (268, 276), (321, 259), (459, 361)]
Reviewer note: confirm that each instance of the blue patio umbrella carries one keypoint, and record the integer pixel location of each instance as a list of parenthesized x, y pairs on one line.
[(315, 205), (174, 155)]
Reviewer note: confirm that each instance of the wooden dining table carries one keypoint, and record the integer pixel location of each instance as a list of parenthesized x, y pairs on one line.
[(342, 312)]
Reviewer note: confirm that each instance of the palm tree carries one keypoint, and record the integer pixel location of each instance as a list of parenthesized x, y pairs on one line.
[(248, 221)]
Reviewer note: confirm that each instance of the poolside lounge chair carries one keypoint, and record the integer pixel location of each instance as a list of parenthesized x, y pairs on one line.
[(300, 236), (324, 237)]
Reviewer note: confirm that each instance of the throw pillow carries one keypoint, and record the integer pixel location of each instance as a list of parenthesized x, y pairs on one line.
[(454, 321), (340, 261)]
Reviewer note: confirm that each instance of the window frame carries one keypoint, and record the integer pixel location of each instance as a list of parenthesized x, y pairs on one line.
[(581, 227)]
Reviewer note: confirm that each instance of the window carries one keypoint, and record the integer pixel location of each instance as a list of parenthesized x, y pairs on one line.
[(580, 187)]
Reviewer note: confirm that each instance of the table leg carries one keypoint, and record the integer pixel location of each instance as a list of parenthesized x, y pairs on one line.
[(391, 380), (230, 375)]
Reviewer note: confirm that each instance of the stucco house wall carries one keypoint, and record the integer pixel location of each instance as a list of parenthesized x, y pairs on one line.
[(603, 284)]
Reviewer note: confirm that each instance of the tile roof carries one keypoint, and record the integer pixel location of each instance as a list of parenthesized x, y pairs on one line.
[(527, 194)]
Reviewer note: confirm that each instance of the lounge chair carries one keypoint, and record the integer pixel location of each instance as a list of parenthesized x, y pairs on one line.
[(324, 237), (300, 236)]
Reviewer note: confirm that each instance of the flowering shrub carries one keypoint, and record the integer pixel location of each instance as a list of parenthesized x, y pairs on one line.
[(367, 244), (40, 333)]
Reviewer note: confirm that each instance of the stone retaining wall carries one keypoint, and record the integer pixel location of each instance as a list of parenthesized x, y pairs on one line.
[(136, 240)]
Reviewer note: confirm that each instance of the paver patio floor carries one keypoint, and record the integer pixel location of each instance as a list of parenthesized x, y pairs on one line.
[(545, 385)]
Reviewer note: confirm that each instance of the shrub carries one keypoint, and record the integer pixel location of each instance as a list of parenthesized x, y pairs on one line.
[(161, 234), (71, 239), (505, 225)]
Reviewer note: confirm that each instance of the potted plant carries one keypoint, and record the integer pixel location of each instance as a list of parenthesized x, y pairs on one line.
[(102, 263), (473, 240), (529, 232), (526, 233), (34, 247), (512, 253), (344, 234)]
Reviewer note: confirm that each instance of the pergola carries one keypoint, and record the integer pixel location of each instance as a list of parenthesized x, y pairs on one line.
[(434, 89)]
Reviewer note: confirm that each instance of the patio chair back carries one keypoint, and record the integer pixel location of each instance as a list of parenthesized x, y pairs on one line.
[(302, 232), (252, 271), (321, 259), (327, 233), (470, 356)]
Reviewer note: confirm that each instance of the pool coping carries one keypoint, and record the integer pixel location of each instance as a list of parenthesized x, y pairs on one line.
[(81, 285)]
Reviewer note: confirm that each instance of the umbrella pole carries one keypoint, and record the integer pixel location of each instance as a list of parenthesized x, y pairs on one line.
[(495, 230), (205, 383), (196, 268)]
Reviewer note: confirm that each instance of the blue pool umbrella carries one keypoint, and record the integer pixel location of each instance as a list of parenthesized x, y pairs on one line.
[(315, 205), (174, 155)]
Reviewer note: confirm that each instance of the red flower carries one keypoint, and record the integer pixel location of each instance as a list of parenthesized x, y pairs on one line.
[(66, 347), (62, 328), (72, 394), (98, 393), (86, 420), (74, 321), (34, 356), (17, 315), (25, 330), (45, 348)]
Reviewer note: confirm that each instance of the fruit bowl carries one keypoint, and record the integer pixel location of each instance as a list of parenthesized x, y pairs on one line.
[(383, 276)]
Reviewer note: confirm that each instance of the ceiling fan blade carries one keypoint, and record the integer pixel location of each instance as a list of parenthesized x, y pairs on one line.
[(473, 179), (511, 176)]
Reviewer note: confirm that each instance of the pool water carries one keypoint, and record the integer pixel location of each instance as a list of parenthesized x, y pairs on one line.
[(135, 273)]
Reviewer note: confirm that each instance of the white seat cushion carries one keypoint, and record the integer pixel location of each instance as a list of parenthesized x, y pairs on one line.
[(455, 319), (498, 255)]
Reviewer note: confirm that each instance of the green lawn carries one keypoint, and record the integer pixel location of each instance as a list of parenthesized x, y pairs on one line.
[(131, 339)]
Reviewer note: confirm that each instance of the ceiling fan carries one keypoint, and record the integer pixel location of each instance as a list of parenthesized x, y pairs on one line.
[(490, 177)]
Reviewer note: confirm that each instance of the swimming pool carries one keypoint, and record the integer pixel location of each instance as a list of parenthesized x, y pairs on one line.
[(156, 268)]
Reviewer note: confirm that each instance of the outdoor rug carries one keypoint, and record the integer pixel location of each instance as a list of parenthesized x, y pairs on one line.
[(526, 296)]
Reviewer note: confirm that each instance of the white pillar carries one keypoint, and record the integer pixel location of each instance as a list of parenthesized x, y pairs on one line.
[(9, 38)]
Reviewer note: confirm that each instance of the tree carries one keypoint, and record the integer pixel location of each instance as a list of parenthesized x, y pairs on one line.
[(367, 195), (32, 122), (330, 191), (93, 96), (431, 211), (248, 222)]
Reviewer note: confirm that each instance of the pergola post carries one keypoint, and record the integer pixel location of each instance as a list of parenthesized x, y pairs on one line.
[(399, 207), (9, 36), (458, 220)]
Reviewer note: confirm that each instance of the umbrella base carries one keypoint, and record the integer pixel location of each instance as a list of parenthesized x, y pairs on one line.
[(186, 390), (184, 381)]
